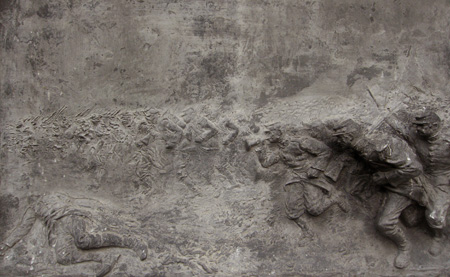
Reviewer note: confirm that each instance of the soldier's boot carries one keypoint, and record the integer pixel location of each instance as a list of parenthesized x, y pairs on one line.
[(306, 232), (138, 246), (403, 257), (341, 200), (404, 248), (130, 242), (437, 243), (294, 200), (390, 229)]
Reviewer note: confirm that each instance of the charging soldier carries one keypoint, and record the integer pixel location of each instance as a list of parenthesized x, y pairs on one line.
[(395, 165), (432, 145)]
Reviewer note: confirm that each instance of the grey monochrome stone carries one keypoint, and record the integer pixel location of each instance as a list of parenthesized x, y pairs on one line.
[(224, 138)]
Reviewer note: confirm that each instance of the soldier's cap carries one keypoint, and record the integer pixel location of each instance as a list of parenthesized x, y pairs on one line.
[(426, 118), (348, 126)]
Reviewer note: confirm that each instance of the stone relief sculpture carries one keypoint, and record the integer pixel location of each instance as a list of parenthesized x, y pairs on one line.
[(407, 159), (233, 134), (413, 169), (431, 143), (198, 128), (161, 113), (72, 230), (314, 173), (395, 165)]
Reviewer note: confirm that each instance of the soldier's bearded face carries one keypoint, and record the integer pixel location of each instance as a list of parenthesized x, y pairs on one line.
[(427, 130), (344, 139), (274, 136)]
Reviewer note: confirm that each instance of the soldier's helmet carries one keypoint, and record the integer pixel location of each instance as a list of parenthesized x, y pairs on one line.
[(347, 132), (426, 117)]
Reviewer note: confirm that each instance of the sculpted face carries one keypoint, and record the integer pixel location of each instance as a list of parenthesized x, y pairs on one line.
[(428, 130), (344, 139), (346, 133), (274, 135)]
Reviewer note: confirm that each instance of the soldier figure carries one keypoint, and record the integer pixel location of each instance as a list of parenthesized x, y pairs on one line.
[(395, 165), (313, 174), (172, 133), (432, 145), (67, 231)]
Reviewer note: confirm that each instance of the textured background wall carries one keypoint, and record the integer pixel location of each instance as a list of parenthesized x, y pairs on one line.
[(64, 64)]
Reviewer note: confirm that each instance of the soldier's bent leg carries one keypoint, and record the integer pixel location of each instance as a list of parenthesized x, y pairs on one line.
[(294, 200), (68, 253), (86, 241), (437, 244), (436, 219), (388, 225), (316, 200)]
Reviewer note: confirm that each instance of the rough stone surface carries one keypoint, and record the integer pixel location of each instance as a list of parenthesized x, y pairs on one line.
[(143, 106)]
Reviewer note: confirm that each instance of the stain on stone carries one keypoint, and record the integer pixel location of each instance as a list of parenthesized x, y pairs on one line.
[(447, 59), (201, 24), (418, 33), (8, 90), (385, 56), (366, 72), (8, 204), (292, 85), (214, 27), (8, 38), (70, 4), (292, 75), (217, 66), (44, 12), (262, 100), (36, 61), (5, 4), (208, 76)]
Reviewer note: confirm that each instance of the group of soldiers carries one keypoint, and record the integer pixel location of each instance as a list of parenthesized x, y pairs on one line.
[(414, 168), (409, 160)]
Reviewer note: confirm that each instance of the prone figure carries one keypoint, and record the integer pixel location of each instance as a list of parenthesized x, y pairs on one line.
[(70, 234)]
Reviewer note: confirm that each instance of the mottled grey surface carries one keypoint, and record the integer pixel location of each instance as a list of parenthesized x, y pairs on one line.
[(86, 85)]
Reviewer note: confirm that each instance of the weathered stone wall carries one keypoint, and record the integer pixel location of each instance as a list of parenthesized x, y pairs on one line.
[(86, 85)]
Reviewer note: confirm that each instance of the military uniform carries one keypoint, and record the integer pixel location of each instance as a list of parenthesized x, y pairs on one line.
[(67, 231), (434, 154), (312, 174), (396, 165)]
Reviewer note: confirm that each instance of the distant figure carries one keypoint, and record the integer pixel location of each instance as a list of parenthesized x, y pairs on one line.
[(69, 233)]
